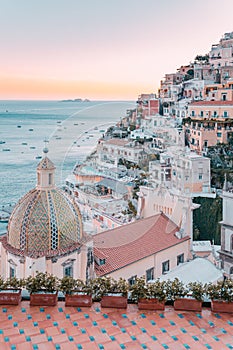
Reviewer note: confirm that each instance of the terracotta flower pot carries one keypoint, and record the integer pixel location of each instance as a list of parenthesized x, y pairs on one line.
[(43, 299), (118, 302), (151, 304), (10, 297), (188, 304), (221, 306), (79, 300)]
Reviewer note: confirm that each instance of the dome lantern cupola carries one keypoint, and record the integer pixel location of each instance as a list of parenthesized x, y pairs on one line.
[(45, 173)]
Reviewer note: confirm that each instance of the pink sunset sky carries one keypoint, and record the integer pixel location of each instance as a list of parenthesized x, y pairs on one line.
[(102, 49)]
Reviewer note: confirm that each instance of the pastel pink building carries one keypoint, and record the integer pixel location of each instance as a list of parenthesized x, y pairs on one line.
[(219, 92), (221, 54), (148, 104), (210, 122)]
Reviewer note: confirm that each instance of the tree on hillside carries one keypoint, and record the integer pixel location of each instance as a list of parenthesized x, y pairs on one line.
[(206, 219)]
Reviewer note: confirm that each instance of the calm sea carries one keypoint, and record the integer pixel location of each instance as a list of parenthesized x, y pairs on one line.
[(71, 129)]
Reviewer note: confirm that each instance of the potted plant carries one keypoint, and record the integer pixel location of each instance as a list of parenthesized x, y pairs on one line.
[(182, 295), (77, 293), (150, 296), (112, 293), (192, 300), (98, 286), (10, 291), (186, 297), (43, 289), (176, 289), (221, 295), (139, 289)]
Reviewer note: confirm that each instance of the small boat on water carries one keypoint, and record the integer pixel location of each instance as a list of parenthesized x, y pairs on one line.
[(6, 149), (2, 142), (4, 219), (24, 143), (38, 157), (30, 129), (19, 126), (32, 147)]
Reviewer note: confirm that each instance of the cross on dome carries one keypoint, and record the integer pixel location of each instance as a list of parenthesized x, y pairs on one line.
[(45, 171), (45, 149)]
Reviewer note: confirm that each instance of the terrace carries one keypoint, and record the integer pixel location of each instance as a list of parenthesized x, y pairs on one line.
[(23, 327)]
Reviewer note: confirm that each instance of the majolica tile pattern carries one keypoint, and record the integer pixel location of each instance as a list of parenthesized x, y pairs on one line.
[(44, 328), (44, 220)]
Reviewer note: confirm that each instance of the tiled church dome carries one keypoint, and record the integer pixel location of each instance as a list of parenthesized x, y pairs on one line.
[(46, 219)]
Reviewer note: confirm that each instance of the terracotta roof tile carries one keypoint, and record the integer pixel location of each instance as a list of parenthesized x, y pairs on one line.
[(129, 243), (211, 103)]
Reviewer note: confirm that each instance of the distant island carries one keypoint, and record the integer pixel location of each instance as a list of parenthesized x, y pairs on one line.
[(76, 100)]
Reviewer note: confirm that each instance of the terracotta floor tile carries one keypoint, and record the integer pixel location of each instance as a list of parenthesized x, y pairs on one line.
[(40, 338), (11, 331), (81, 338), (112, 330), (25, 324), (101, 338), (165, 338), (112, 346), (24, 346), (6, 324), (226, 338), (113, 320), (73, 331), (215, 345), (89, 346), (67, 346), (142, 338), (17, 338), (45, 323), (60, 338), (158, 345), (1, 338), (46, 346), (4, 346), (123, 337), (31, 330), (52, 331)]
